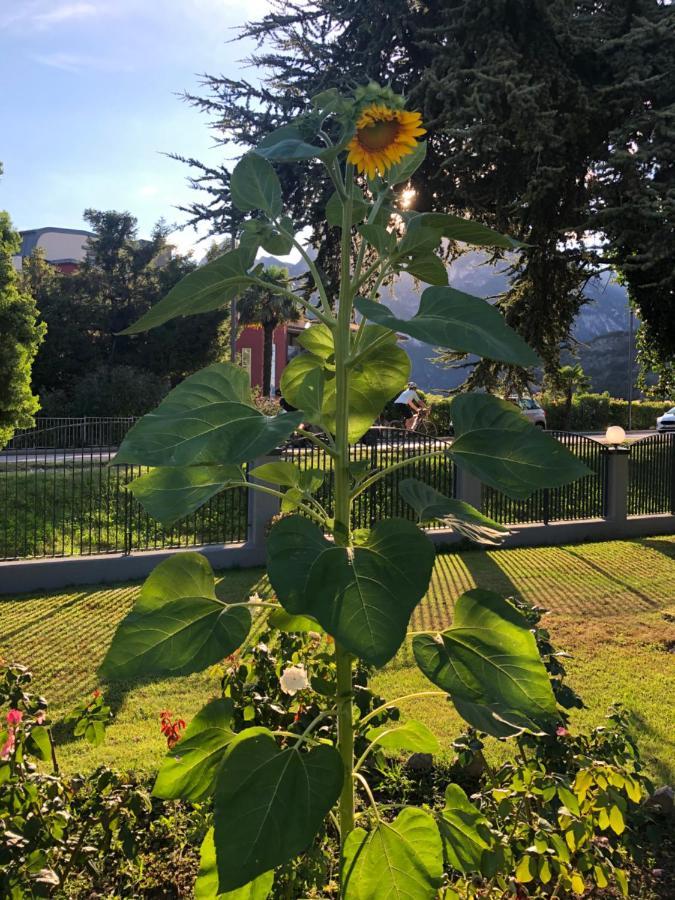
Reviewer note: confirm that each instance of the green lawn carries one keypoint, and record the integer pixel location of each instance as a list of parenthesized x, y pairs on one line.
[(612, 604)]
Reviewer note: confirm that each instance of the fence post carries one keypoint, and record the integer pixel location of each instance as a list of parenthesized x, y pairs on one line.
[(468, 488), (261, 509), (617, 486)]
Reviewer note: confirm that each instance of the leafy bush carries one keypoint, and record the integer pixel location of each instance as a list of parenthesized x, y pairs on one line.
[(80, 837), (594, 412), (108, 391)]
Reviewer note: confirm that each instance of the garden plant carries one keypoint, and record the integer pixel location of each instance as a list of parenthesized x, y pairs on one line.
[(275, 788)]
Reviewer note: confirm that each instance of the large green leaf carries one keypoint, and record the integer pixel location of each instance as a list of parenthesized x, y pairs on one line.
[(335, 208), (269, 804), (210, 286), (189, 769), (255, 185), (401, 859), (412, 736), (497, 444), (378, 237), (362, 596), (177, 625), (169, 494), (453, 319), (380, 372), (455, 228), (464, 831), (432, 506), (429, 268), (287, 474), (206, 885), (489, 659), (208, 419), (291, 149)]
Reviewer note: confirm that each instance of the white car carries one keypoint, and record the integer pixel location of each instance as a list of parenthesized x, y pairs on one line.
[(531, 410), (666, 422)]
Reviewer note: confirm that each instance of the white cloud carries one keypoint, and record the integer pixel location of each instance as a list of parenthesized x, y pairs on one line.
[(76, 62), (42, 14), (65, 13)]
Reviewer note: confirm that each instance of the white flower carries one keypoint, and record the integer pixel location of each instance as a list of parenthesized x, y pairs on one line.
[(294, 679), (255, 598)]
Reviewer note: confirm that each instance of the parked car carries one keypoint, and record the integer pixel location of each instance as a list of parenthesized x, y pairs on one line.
[(666, 422), (531, 410)]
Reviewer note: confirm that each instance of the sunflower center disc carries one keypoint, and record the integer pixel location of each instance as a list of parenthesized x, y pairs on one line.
[(379, 135)]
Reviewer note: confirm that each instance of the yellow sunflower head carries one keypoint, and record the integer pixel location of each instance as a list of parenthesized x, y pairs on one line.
[(384, 136)]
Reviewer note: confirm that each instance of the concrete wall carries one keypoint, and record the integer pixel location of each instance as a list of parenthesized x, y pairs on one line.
[(50, 574)]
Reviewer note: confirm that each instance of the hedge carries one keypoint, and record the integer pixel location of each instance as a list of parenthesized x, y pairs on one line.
[(594, 412), (590, 412)]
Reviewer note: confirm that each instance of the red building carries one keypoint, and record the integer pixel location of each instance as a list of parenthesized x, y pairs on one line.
[(284, 348)]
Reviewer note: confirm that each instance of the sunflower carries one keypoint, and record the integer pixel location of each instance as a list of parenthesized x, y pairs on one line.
[(383, 137)]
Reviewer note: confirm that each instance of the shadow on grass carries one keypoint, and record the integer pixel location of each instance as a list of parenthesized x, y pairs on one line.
[(664, 771), (658, 544), (240, 585)]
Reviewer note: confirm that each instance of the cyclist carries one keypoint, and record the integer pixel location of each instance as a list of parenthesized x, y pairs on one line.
[(413, 406)]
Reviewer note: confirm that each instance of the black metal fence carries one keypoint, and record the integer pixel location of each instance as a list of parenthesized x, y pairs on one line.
[(383, 447), (651, 476), (69, 501), (583, 499), (72, 433), (60, 497)]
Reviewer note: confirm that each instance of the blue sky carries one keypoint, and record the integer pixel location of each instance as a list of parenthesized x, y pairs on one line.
[(89, 103)]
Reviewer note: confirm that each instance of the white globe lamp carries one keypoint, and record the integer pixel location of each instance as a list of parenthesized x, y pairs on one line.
[(615, 435)]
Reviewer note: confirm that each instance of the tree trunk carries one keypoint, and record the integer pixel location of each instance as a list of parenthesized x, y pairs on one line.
[(568, 408), (268, 340)]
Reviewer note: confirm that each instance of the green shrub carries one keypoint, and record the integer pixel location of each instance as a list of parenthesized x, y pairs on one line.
[(108, 391), (594, 412)]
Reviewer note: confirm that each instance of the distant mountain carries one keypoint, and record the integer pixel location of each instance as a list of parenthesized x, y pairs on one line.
[(601, 328)]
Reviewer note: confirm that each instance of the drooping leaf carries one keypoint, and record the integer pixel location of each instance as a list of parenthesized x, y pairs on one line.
[(378, 237), (38, 743), (455, 228), (170, 494), (269, 804), (210, 286), (335, 208), (177, 625), (403, 170), (450, 318), (464, 832), (418, 242), (363, 596), (206, 885), (380, 373), (287, 474), (255, 185), (499, 446), (402, 859), (291, 148), (188, 771), (429, 268), (430, 505), (412, 736), (208, 419), (488, 659), (284, 621)]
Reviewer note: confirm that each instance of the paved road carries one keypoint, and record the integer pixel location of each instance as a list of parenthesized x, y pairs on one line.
[(102, 456)]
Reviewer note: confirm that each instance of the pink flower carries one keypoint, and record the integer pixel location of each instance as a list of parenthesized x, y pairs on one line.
[(8, 746), (561, 731), (40, 717), (14, 716)]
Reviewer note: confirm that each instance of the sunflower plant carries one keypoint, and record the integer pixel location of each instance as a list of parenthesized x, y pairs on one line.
[(274, 790)]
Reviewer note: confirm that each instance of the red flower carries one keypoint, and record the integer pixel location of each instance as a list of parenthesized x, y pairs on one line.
[(170, 730), (14, 716), (96, 694)]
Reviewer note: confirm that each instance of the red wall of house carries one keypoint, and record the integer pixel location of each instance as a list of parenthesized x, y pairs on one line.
[(252, 337)]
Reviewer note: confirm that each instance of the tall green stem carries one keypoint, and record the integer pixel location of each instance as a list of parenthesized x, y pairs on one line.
[(343, 506)]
